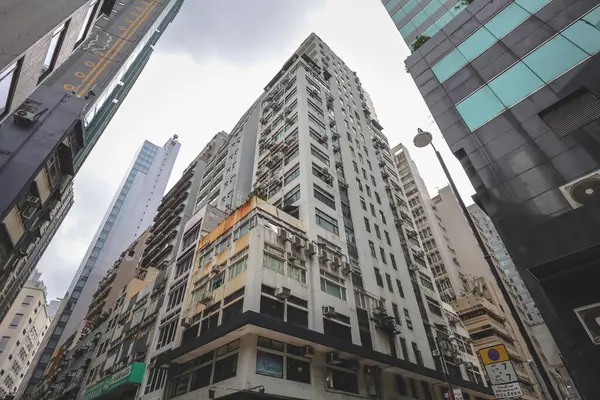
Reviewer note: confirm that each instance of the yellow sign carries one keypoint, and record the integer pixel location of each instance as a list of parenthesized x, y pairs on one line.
[(493, 354)]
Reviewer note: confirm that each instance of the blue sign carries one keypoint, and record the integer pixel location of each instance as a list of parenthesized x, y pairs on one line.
[(269, 364), (494, 354)]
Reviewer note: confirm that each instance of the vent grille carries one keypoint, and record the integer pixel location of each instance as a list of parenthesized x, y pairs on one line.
[(572, 113)]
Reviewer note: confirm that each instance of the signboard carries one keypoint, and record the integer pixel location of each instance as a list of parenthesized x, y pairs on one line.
[(269, 364), (493, 354), (132, 373), (507, 390), (501, 373)]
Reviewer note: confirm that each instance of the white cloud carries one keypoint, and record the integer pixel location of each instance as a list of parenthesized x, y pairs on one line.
[(211, 65)]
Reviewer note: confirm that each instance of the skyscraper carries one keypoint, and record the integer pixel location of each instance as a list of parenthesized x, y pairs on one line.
[(328, 290), (47, 132), (131, 212), (513, 87)]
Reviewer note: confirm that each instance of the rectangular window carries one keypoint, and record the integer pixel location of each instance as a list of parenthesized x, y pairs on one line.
[(318, 154), (238, 267), (16, 321), (292, 174), (342, 380), (324, 197), (387, 238), (377, 231), (291, 155), (273, 263), (8, 80), (372, 210), (225, 368), (393, 260), (87, 22), (53, 50), (367, 225), (297, 273), (3, 342), (333, 285), (382, 254), (327, 222), (292, 196), (378, 277), (372, 248), (388, 279), (27, 300)]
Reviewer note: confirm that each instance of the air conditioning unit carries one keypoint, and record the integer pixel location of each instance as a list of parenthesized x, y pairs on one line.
[(333, 358), (379, 310), (346, 269), (413, 267), (583, 190), (282, 292), (329, 311), (25, 251), (324, 255), (435, 353), (27, 114), (216, 269), (308, 351), (291, 256), (336, 262), (469, 364), (283, 235), (298, 242), (311, 249), (186, 322), (206, 298)]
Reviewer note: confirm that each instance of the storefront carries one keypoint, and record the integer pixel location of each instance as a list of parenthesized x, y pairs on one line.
[(121, 385)]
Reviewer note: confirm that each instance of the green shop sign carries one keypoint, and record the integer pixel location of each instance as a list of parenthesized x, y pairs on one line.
[(133, 373)]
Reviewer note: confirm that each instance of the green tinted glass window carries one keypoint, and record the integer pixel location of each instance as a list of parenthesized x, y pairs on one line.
[(586, 32), (448, 65), (479, 107), (515, 84), (471, 46), (554, 58)]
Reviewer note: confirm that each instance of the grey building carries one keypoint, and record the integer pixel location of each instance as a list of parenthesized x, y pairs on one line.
[(65, 69), (130, 213), (514, 88), (335, 246)]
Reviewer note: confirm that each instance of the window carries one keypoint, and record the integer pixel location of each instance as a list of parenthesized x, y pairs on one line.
[(291, 155), (377, 198), (343, 381), (53, 50), (418, 355), (87, 23), (3, 342), (377, 231), (333, 285), (372, 248), (8, 82), (16, 321), (238, 267), (373, 210), (382, 216), (296, 272), (378, 277), (388, 279), (292, 174), (387, 238), (287, 363), (367, 225), (363, 204), (319, 155), (225, 368), (27, 300), (273, 263), (292, 196), (382, 254), (324, 197), (368, 189), (408, 319), (326, 222), (393, 260)]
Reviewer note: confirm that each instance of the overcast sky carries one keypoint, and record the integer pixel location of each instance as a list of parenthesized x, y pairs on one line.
[(207, 69)]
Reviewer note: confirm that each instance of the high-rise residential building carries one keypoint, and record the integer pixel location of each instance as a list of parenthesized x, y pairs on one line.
[(462, 275), (528, 313), (324, 285), (513, 87), (65, 69), (21, 332), (130, 213)]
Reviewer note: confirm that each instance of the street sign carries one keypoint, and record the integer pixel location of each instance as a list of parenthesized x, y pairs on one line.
[(507, 390), (501, 373), (493, 354)]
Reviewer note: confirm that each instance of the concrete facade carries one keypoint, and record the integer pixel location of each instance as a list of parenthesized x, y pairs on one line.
[(130, 213), (21, 332)]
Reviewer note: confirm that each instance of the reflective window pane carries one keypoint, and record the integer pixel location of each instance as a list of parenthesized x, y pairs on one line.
[(515, 84), (585, 33), (6, 79), (479, 107), (554, 58)]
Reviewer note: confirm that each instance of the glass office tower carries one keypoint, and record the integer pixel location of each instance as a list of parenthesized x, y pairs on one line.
[(514, 87)]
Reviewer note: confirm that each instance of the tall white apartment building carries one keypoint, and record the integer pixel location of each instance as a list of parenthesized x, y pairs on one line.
[(130, 213), (21, 332), (325, 295)]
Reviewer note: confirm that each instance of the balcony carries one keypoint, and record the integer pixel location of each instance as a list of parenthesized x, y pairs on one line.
[(473, 303)]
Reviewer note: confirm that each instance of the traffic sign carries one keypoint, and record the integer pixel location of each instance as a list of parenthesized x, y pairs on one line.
[(493, 354), (501, 373), (507, 390)]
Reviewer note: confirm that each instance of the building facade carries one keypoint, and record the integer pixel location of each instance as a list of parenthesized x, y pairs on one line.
[(21, 332), (333, 221), (47, 131), (130, 213), (514, 90)]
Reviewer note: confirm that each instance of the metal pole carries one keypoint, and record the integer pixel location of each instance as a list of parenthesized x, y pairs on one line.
[(496, 275), (445, 374)]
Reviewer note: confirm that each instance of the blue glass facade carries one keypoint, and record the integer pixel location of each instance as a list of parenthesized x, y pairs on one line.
[(514, 86)]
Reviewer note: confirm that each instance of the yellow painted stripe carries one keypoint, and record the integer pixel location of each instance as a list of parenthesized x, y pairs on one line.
[(105, 58)]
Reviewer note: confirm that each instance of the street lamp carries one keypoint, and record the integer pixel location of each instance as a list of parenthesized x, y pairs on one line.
[(424, 139)]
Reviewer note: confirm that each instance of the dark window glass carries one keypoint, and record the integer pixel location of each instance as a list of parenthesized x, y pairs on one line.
[(231, 312), (343, 381), (298, 370), (269, 364), (336, 330), (271, 307), (401, 386), (365, 339), (201, 377), (297, 317), (225, 368)]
